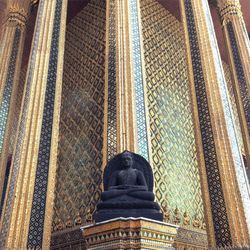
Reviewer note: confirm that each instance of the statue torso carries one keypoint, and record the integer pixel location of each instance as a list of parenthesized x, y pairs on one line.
[(127, 177)]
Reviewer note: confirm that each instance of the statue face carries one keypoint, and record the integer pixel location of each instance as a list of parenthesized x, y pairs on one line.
[(127, 160)]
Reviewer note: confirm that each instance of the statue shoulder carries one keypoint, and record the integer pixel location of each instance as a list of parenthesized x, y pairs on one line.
[(138, 171), (112, 179), (114, 174)]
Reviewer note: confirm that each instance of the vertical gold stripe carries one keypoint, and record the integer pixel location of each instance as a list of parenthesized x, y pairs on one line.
[(239, 103), (222, 141), (55, 132), (119, 68), (144, 85), (118, 132), (127, 78), (105, 127), (36, 116), (26, 171), (131, 124), (4, 63), (244, 49), (198, 137), (231, 12), (131, 90), (6, 58), (9, 124), (216, 113)]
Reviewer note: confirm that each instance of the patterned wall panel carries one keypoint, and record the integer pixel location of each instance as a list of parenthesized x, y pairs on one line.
[(5, 105), (142, 138), (227, 73), (175, 165), (217, 201), (17, 108), (37, 217), (243, 86), (81, 127), (21, 132), (112, 102)]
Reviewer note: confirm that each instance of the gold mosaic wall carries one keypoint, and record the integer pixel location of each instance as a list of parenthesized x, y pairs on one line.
[(177, 182), (81, 126), (17, 108), (233, 105), (175, 166)]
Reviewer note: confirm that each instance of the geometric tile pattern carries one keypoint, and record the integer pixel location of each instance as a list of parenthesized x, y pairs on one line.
[(142, 139), (220, 220), (112, 102), (17, 108), (79, 174), (36, 226), (5, 105), (21, 131), (238, 161), (240, 73), (228, 78), (175, 166)]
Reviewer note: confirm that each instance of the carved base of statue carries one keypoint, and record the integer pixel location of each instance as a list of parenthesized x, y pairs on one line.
[(128, 190), (107, 214)]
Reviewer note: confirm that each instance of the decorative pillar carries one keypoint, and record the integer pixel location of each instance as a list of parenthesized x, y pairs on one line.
[(238, 46), (125, 108), (27, 213), (10, 64), (224, 185)]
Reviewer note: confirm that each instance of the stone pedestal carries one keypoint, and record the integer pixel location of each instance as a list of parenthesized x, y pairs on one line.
[(130, 233)]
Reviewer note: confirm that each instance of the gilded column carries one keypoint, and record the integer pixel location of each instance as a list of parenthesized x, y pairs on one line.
[(27, 214), (125, 109), (238, 45), (224, 184), (10, 64)]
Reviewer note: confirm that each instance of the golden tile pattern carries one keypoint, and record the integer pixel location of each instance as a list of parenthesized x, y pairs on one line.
[(17, 108), (79, 172), (175, 165), (112, 88), (233, 105), (8, 87)]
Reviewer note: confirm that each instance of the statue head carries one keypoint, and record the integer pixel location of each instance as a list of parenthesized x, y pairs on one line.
[(127, 159)]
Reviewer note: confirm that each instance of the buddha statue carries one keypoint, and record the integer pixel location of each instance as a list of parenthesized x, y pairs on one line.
[(127, 181), (127, 193)]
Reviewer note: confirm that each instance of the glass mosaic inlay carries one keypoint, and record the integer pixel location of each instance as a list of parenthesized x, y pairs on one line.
[(35, 235), (79, 164), (21, 131), (5, 105), (174, 161), (238, 160), (221, 226), (112, 102), (142, 139), (240, 74)]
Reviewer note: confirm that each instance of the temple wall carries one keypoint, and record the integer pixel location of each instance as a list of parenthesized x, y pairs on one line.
[(175, 165), (177, 182), (79, 177)]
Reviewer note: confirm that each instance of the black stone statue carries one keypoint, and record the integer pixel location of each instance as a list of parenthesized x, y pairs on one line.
[(128, 189)]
